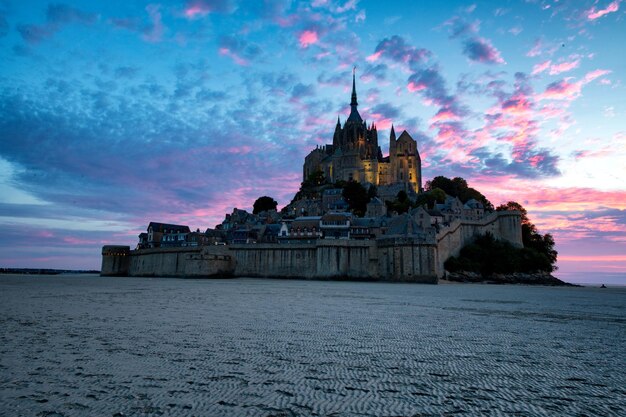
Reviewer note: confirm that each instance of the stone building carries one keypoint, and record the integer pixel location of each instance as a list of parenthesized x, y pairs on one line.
[(355, 155), (156, 231)]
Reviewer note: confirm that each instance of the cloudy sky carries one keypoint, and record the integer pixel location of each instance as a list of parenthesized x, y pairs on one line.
[(114, 114)]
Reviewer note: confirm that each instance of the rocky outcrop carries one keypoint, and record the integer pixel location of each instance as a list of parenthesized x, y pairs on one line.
[(533, 278)]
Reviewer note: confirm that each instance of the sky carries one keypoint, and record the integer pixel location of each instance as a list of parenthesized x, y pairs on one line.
[(115, 114)]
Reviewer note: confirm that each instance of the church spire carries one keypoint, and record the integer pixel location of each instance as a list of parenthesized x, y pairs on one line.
[(354, 113), (354, 103)]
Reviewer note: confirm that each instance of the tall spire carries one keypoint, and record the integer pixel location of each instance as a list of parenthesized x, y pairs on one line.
[(354, 103), (354, 113)]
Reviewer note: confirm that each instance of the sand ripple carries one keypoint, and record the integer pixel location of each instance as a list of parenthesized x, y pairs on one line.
[(76, 346)]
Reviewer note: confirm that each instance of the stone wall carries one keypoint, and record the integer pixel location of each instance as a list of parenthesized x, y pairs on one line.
[(115, 260), (392, 258), (204, 261), (407, 259), (504, 225), (325, 259)]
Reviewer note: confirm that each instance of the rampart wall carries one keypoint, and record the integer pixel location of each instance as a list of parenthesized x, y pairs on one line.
[(415, 258), (325, 259), (115, 260), (504, 225), (203, 261)]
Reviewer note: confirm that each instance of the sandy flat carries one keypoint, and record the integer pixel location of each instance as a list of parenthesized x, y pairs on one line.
[(85, 345)]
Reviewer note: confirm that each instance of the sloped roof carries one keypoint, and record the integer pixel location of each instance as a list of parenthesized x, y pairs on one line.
[(160, 227), (404, 136), (474, 204), (403, 225), (335, 217)]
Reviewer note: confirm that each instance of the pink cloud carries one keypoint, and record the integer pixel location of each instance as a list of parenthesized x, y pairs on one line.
[(236, 58), (444, 115), (240, 150), (307, 38), (481, 50), (562, 90), (566, 90), (72, 240), (555, 69), (541, 67), (416, 86), (590, 76), (593, 14), (536, 50), (195, 10), (374, 56), (155, 32), (517, 104), (593, 258), (201, 8), (564, 67)]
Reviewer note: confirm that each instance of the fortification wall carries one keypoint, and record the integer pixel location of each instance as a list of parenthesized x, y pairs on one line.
[(345, 259), (504, 225), (205, 261), (412, 259), (324, 259), (274, 260), (407, 259), (115, 261)]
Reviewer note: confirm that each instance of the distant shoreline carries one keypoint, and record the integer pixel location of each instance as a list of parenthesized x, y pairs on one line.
[(52, 271), (46, 271), (524, 278)]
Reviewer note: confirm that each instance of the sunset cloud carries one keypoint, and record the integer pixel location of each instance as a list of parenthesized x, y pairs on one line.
[(481, 50), (307, 38), (564, 67), (593, 13), (396, 49), (198, 8), (239, 50)]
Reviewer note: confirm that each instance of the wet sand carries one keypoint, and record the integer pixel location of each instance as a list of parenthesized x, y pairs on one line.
[(85, 345)]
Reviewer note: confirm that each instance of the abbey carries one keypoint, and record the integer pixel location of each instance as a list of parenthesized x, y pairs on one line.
[(355, 155)]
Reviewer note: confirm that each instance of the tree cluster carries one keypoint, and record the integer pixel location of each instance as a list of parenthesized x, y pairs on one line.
[(264, 203), (457, 187), (357, 197), (487, 255), (544, 244)]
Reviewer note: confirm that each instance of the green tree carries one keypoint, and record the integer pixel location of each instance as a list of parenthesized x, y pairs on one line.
[(356, 197), (438, 195), (264, 203), (458, 187), (487, 255), (401, 204), (429, 198), (531, 238)]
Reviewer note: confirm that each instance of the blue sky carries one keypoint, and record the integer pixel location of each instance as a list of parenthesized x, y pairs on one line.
[(114, 115)]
